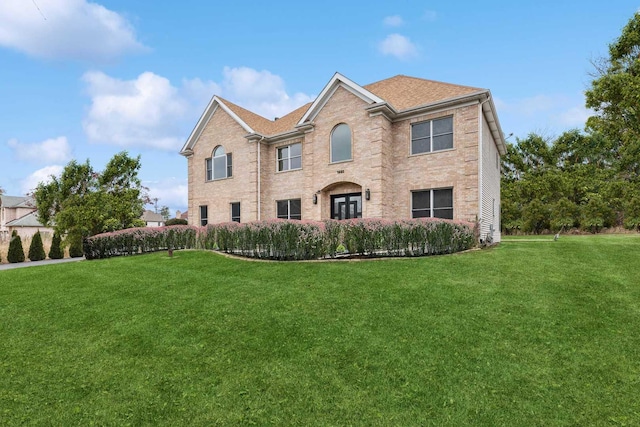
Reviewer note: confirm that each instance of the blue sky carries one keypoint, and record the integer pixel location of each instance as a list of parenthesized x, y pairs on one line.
[(85, 80)]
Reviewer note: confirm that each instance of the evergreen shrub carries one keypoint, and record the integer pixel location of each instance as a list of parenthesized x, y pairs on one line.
[(36, 248), (16, 252)]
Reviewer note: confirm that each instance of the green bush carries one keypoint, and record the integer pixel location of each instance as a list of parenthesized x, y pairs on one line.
[(56, 252), (36, 249), (175, 221), (75, 247), (16, 253), (134, 241)]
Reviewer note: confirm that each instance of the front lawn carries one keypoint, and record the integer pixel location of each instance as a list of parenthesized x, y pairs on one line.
[(536, 333)]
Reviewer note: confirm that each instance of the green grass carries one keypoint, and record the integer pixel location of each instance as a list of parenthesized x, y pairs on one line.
[(529, 333)]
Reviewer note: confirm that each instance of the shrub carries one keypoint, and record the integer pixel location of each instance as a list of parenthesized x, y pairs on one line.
[(75, 247), (175, 221), (56, 252), (134, 241), (36, 249), (292, 240), (16, 253)]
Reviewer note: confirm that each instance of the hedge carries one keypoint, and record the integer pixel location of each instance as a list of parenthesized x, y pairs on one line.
[(134, 241), (293, 240), (280, 239)]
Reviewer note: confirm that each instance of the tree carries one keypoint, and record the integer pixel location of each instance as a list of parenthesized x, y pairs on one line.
[(82, 202), (16, 253), (615, 97), (56, 252), (75, 247), (164, 211), (36, 249)]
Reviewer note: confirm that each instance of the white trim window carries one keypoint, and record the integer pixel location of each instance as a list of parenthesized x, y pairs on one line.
[(289, 209), (290, 157), (341, 143), (432, 135), (220, 165), (432, 203)]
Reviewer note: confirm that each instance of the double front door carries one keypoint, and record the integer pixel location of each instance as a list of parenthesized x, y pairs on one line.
[(345, 206)]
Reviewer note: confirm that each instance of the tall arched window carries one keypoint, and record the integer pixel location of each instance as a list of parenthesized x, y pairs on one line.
[(220, 165), (341, 143)]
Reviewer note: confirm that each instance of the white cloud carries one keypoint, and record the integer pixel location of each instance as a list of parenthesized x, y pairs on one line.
[(41, 175), (146, 111), (553, 113), (149, 111), (576, 116), (399, 46), (53, 150), (393, 21), (430, 15), (170, 192), (66, 29), (260, 91)]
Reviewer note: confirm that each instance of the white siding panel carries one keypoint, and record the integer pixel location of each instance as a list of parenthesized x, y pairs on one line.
[(490, 203)]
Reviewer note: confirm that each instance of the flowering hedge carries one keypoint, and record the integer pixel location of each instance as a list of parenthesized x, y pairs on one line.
[(294, 240), (291, 240), (133, 241)]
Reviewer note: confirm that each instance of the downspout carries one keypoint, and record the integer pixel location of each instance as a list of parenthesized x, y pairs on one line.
[(259, 177), (480, 144)]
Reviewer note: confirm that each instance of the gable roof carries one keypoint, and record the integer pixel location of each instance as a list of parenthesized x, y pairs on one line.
[(17, 201), (150, 216), (398, 96), (28, 220)]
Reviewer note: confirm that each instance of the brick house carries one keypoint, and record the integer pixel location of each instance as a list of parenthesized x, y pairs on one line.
[(399, 148)]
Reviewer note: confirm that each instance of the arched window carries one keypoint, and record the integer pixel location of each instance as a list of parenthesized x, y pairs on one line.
[(341, 143), (220, 165)]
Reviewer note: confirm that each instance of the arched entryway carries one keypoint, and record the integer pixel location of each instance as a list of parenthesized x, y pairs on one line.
[(342, 200)]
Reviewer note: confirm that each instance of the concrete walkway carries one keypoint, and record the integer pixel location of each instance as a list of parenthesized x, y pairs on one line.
[(37, 263)]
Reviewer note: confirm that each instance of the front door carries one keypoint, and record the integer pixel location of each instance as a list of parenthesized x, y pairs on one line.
[(345, 206)]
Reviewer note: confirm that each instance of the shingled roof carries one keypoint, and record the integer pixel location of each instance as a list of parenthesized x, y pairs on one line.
[(402, 93)]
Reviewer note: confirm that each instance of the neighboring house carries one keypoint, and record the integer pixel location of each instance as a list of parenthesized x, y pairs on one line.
[(152, 219), (399, 148), (184, 215), (20, 214)]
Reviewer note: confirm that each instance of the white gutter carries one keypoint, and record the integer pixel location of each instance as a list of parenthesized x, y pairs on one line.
[(259, 176), (480, 142)]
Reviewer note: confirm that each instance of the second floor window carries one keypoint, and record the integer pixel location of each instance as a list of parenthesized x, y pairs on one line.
[(290, 157), (341, 143), (432, 135), (220, 165)]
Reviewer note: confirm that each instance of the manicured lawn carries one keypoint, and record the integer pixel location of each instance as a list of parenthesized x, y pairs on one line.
[(535, 333)]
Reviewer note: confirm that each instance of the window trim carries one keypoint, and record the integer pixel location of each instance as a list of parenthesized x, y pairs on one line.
[(204, 220), (233, 218), (431, 135), (228, 165), (432, 208), (288, 159), (289, 209), (331, 161)]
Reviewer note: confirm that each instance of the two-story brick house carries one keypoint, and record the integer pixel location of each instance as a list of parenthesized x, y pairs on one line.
[(399, 148)]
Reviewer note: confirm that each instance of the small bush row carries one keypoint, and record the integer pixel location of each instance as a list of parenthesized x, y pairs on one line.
[(134, 241)]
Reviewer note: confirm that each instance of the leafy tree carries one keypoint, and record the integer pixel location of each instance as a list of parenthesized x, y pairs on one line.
[(564, 215), (164, 211), (56, 252), (615, 97), (82, 202), (36, 248), (535, 216), (16, 253), (596, 214)]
